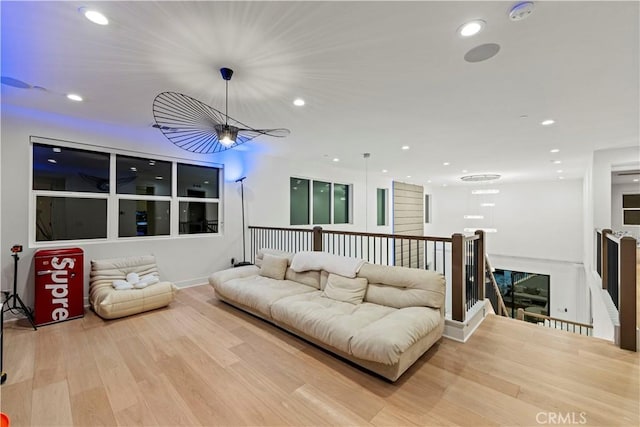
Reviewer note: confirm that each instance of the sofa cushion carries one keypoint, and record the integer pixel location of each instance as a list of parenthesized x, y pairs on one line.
[(258, 292), (401, 287), (385, 339), (262, 252), (309, 278), (344, 289), (273, 266), (308, 260), (329, 321)]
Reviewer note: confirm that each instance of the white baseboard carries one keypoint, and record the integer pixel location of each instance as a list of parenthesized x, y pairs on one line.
[(462, 331)]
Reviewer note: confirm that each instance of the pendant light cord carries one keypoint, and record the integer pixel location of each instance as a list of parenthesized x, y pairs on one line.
[(226, 104)]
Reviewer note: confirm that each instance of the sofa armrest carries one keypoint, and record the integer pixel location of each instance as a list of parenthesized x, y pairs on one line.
[(233, 273)]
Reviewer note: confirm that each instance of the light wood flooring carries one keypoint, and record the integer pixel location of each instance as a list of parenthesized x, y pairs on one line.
[(201, 362)]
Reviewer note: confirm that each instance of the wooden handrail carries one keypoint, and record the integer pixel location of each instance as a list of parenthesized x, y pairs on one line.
[(521, 314), (278, 228)]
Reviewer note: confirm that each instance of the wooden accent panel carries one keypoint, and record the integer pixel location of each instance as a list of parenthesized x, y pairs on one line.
[(408, 220), (627, 291)]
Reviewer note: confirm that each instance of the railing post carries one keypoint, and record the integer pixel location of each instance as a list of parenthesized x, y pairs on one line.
[(480, 265), (458, 309), (604, 255), (627, 293), (317, 238), (520, 314)]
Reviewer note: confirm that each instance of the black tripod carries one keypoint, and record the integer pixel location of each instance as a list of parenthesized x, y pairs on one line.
[(10, 303)]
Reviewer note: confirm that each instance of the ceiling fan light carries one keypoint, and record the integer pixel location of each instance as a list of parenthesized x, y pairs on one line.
[(227, 134)]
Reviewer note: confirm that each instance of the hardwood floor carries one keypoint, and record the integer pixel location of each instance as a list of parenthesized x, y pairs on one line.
[(201, 362)]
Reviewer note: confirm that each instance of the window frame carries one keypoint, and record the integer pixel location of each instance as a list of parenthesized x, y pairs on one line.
[(113, 198), (349, 201), (624, 210)]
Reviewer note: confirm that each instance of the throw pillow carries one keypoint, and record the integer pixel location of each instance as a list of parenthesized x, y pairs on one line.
[(273, 266), (344, 289)]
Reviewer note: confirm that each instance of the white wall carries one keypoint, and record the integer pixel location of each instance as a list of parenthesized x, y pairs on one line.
[(539, 230), (541, 220), (617, 190), (185, 259), (598, 214)]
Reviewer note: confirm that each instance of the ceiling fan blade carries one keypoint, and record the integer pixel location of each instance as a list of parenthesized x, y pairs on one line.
[(191, 124), (276, 133)]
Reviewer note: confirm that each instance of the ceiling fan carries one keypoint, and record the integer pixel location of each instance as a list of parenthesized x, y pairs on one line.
[(199, 128)]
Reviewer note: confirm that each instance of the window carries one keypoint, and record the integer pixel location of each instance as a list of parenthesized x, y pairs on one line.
[(78, 196), (321, 202), (70, 218), (381, 206), (328, 202), (299, 201), (340, 204), (631, 209), (198, 192), (71, 189)]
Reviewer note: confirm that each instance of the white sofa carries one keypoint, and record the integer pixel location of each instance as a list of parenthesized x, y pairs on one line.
[(109, 303), (383, 319)]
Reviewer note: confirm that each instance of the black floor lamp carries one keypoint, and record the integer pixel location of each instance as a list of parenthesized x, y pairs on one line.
[(244, 252)]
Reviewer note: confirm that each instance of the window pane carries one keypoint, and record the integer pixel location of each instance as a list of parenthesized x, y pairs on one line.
[(631, 201), (382, 206), (69, 218), (340, 203), (69, 169), (198, 217), (143, 218), (321, 202), (142, 176), (299, 201), (198, 181), (631, 217)]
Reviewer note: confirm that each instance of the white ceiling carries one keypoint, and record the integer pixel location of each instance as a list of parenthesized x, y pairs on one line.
[(375, 76)]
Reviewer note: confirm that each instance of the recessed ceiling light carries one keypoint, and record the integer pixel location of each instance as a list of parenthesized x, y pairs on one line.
[(159, 177), (429, 182), (559, 171), (152, 162), (57, 149), (547, 122), (487, 205), (408, 176), (464, 171), (561, 177), (554, 150), (446, 164), (471, 28), (556, 162), (487, 191), (335, 159), (206, 182), (298, 102), (444, 185), (52, 161), (94, 16), (636, 179), (474, 217), (384, 171), (74, 97), (133, 168), (405, 147)]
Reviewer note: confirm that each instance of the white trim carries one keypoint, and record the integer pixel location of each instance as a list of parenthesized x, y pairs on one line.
[(113, 198)]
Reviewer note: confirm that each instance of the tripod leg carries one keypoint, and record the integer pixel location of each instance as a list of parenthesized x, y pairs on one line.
[(26, 311), (3, 374)]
